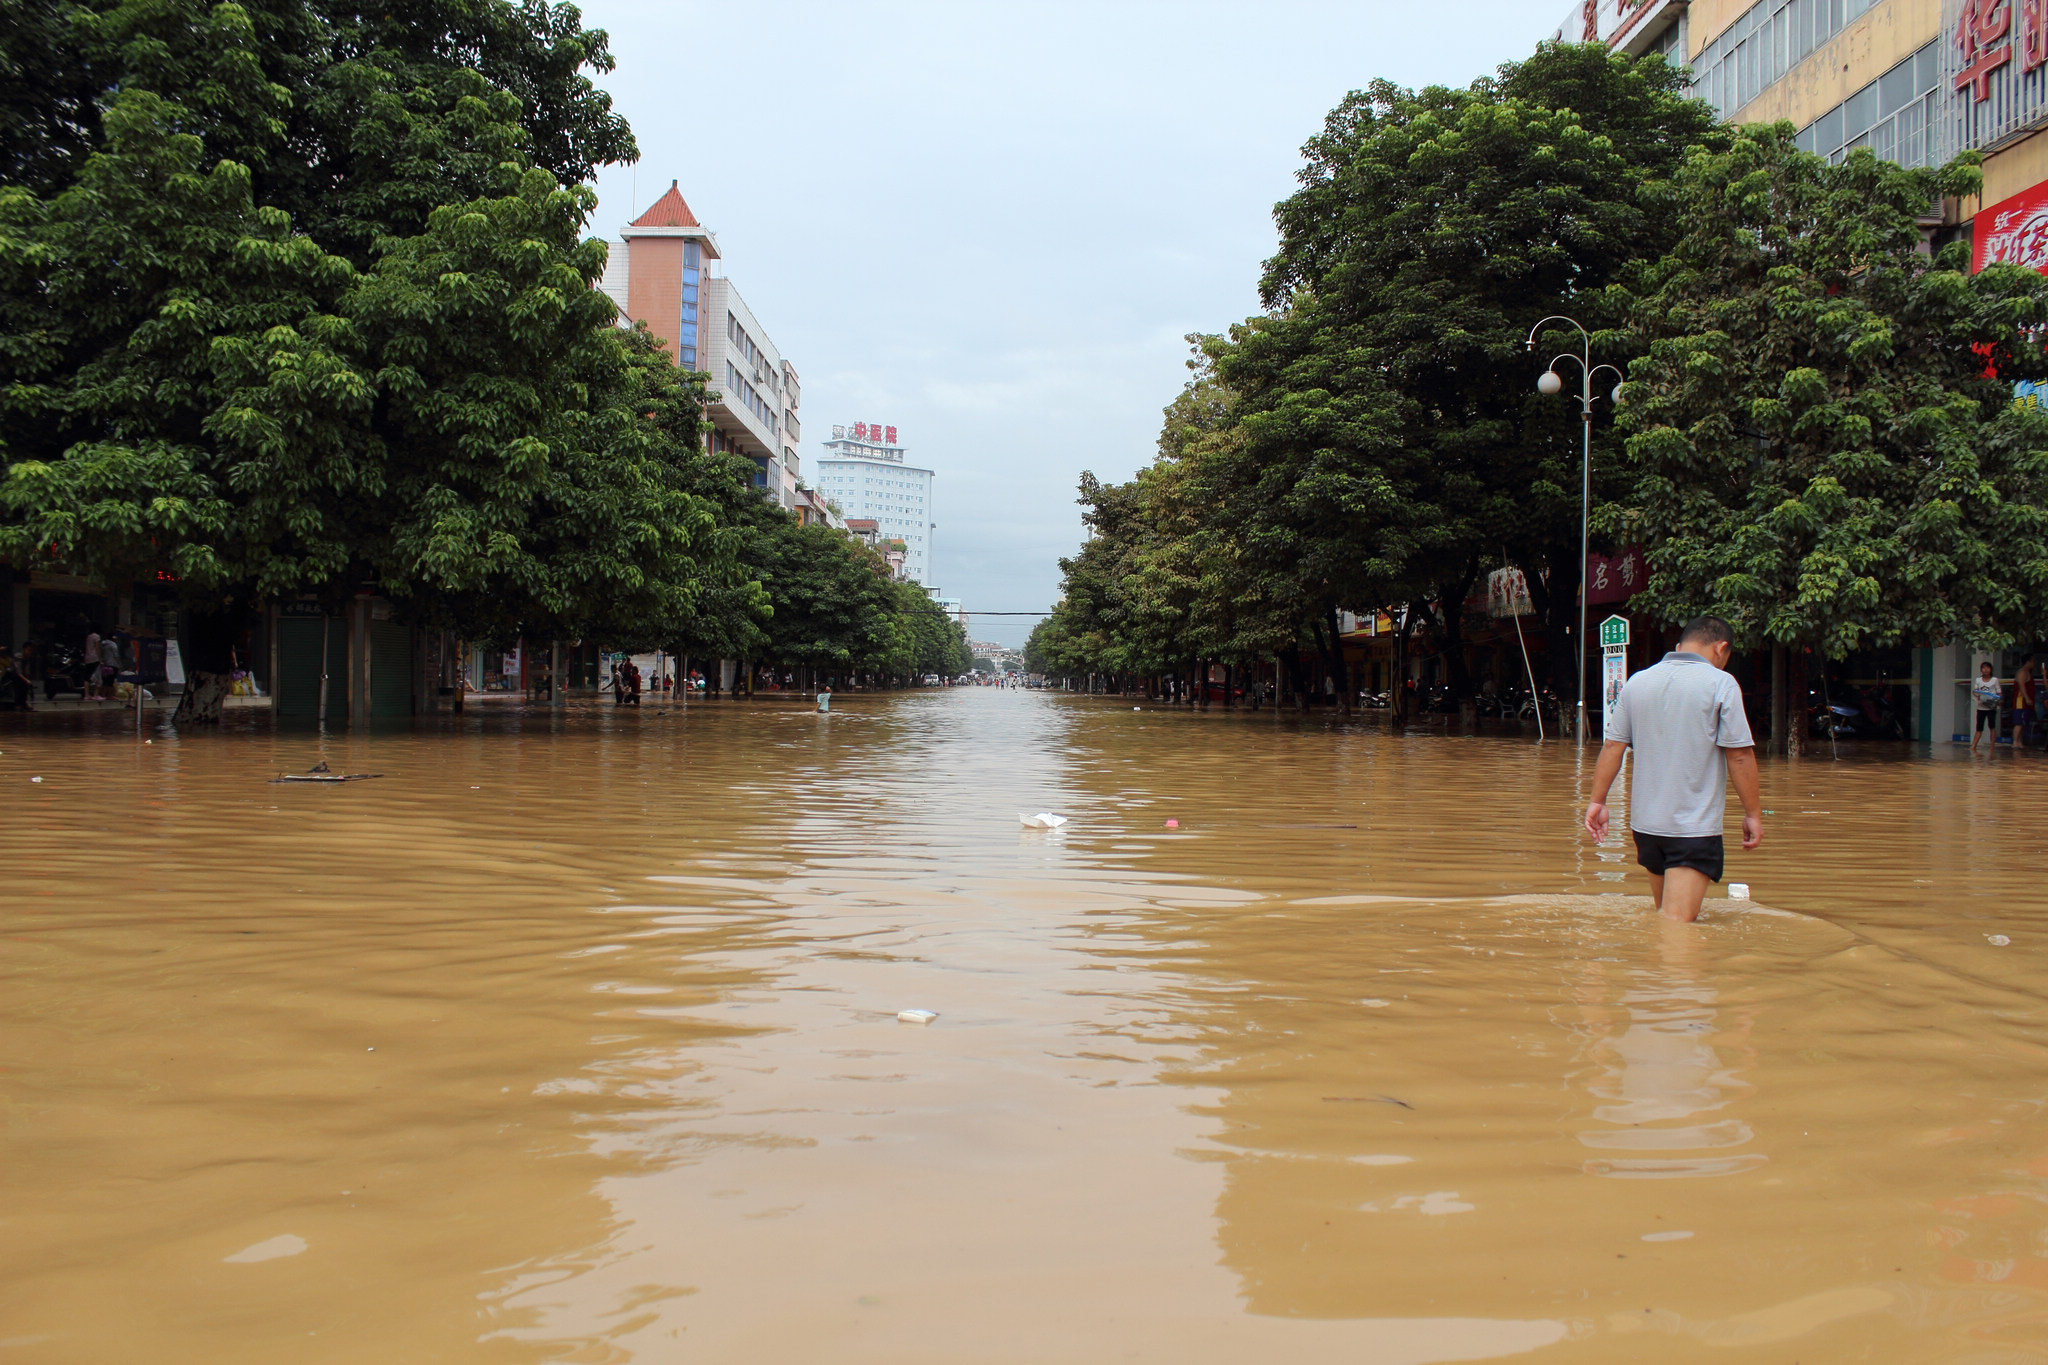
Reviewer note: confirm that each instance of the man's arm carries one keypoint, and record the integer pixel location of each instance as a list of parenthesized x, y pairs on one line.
[(1604, 773), (1742, 771)]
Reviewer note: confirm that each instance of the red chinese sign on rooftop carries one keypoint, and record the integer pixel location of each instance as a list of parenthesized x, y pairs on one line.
[(874, 431), (1984, 39)]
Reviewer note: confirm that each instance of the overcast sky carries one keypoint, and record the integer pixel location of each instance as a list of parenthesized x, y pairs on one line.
[(990, 225)]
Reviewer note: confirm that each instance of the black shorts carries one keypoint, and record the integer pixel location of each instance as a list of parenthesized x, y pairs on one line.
[(1987, 720), (1659, 852)]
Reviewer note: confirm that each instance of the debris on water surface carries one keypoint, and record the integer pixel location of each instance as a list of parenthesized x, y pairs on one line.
[(1173, 824), (1045, 819), (286, 1245), (1738, 891), (1997, 940), (1365, 1099), (320, 772), (35, 779), (916, 1016)]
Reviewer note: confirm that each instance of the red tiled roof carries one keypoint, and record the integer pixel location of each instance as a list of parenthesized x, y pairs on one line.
[(668, 211)]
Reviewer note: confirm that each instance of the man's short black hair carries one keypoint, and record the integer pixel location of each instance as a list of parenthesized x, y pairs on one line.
[(1707, 630)]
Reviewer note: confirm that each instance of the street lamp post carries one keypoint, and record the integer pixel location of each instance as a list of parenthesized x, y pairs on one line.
[(1550, 383)]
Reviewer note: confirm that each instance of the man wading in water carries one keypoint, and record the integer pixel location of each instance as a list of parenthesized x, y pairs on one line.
[(1684, 717)]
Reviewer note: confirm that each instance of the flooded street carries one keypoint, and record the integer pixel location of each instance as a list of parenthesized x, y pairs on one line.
[(573, 1037)]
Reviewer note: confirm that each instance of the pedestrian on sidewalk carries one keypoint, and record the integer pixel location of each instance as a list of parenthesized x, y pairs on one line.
[(89, 668), (110, 665), (1989, 697), (2026, 692), (14, 684), (1683, 716)]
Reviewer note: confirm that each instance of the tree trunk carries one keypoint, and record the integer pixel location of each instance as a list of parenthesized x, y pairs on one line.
[(1781, 686), (1450, 608), (1295, 681), (1557, 604), (204, 695), (1340, 672), (1397, 686)]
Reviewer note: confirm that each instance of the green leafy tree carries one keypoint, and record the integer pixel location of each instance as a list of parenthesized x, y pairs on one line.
[(1822, 432), (298, 301), (1433, 229)]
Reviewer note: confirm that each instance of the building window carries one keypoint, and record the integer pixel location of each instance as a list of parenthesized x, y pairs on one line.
[(1768, 40), (1892, 116)]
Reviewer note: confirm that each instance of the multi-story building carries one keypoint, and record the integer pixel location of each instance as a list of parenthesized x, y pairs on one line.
[(864, 474), (664, 272), (1916, 81)]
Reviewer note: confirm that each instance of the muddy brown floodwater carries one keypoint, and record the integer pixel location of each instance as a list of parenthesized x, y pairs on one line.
[(574, 1037)]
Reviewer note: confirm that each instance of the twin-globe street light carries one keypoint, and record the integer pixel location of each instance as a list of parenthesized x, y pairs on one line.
[(1549, 384)]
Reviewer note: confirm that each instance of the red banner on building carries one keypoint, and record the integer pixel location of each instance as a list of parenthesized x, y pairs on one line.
[(2014, 231), (1615, 578)]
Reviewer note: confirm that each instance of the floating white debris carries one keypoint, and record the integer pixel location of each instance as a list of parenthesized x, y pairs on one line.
[(38, 779), (1045, 819), (1738, 891), (286, 1245), (1997, 940), (1673, 1236), (916, 1016)]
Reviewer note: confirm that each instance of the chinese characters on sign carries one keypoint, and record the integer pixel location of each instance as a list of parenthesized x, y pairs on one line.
[(1983, 37), (891, 437), (869, 431), (1507, 593), (2014, 231), (1615, 579), (1613, 667)]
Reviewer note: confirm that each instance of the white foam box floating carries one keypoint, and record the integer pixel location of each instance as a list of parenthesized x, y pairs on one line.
[(916, 1016), (1738, 891), (1045, 819)]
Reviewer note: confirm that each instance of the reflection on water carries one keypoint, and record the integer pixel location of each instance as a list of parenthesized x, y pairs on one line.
[(575, 1038), (1662, 1074)]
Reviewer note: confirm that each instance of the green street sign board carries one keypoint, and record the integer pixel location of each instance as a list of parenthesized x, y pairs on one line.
[(1614, 631)]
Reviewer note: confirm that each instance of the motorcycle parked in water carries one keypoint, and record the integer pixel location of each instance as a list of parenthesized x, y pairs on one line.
[(1857, 713), (65, 670)]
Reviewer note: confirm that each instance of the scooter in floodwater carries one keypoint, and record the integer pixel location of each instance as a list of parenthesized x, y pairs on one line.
[(65, 670)]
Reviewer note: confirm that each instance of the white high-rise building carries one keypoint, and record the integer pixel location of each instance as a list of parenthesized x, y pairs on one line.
[(863, 472)]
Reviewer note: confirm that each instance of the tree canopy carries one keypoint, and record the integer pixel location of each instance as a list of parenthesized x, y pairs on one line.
[(1817, 437), (1822, 432)]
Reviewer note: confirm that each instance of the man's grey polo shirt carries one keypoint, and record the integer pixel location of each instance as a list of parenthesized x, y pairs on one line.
[(1680, 713)]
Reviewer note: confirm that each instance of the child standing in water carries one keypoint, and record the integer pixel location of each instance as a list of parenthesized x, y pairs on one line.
[(1989, 697)]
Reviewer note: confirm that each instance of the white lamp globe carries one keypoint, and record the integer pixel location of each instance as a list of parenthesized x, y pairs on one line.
[(1548, 383)]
